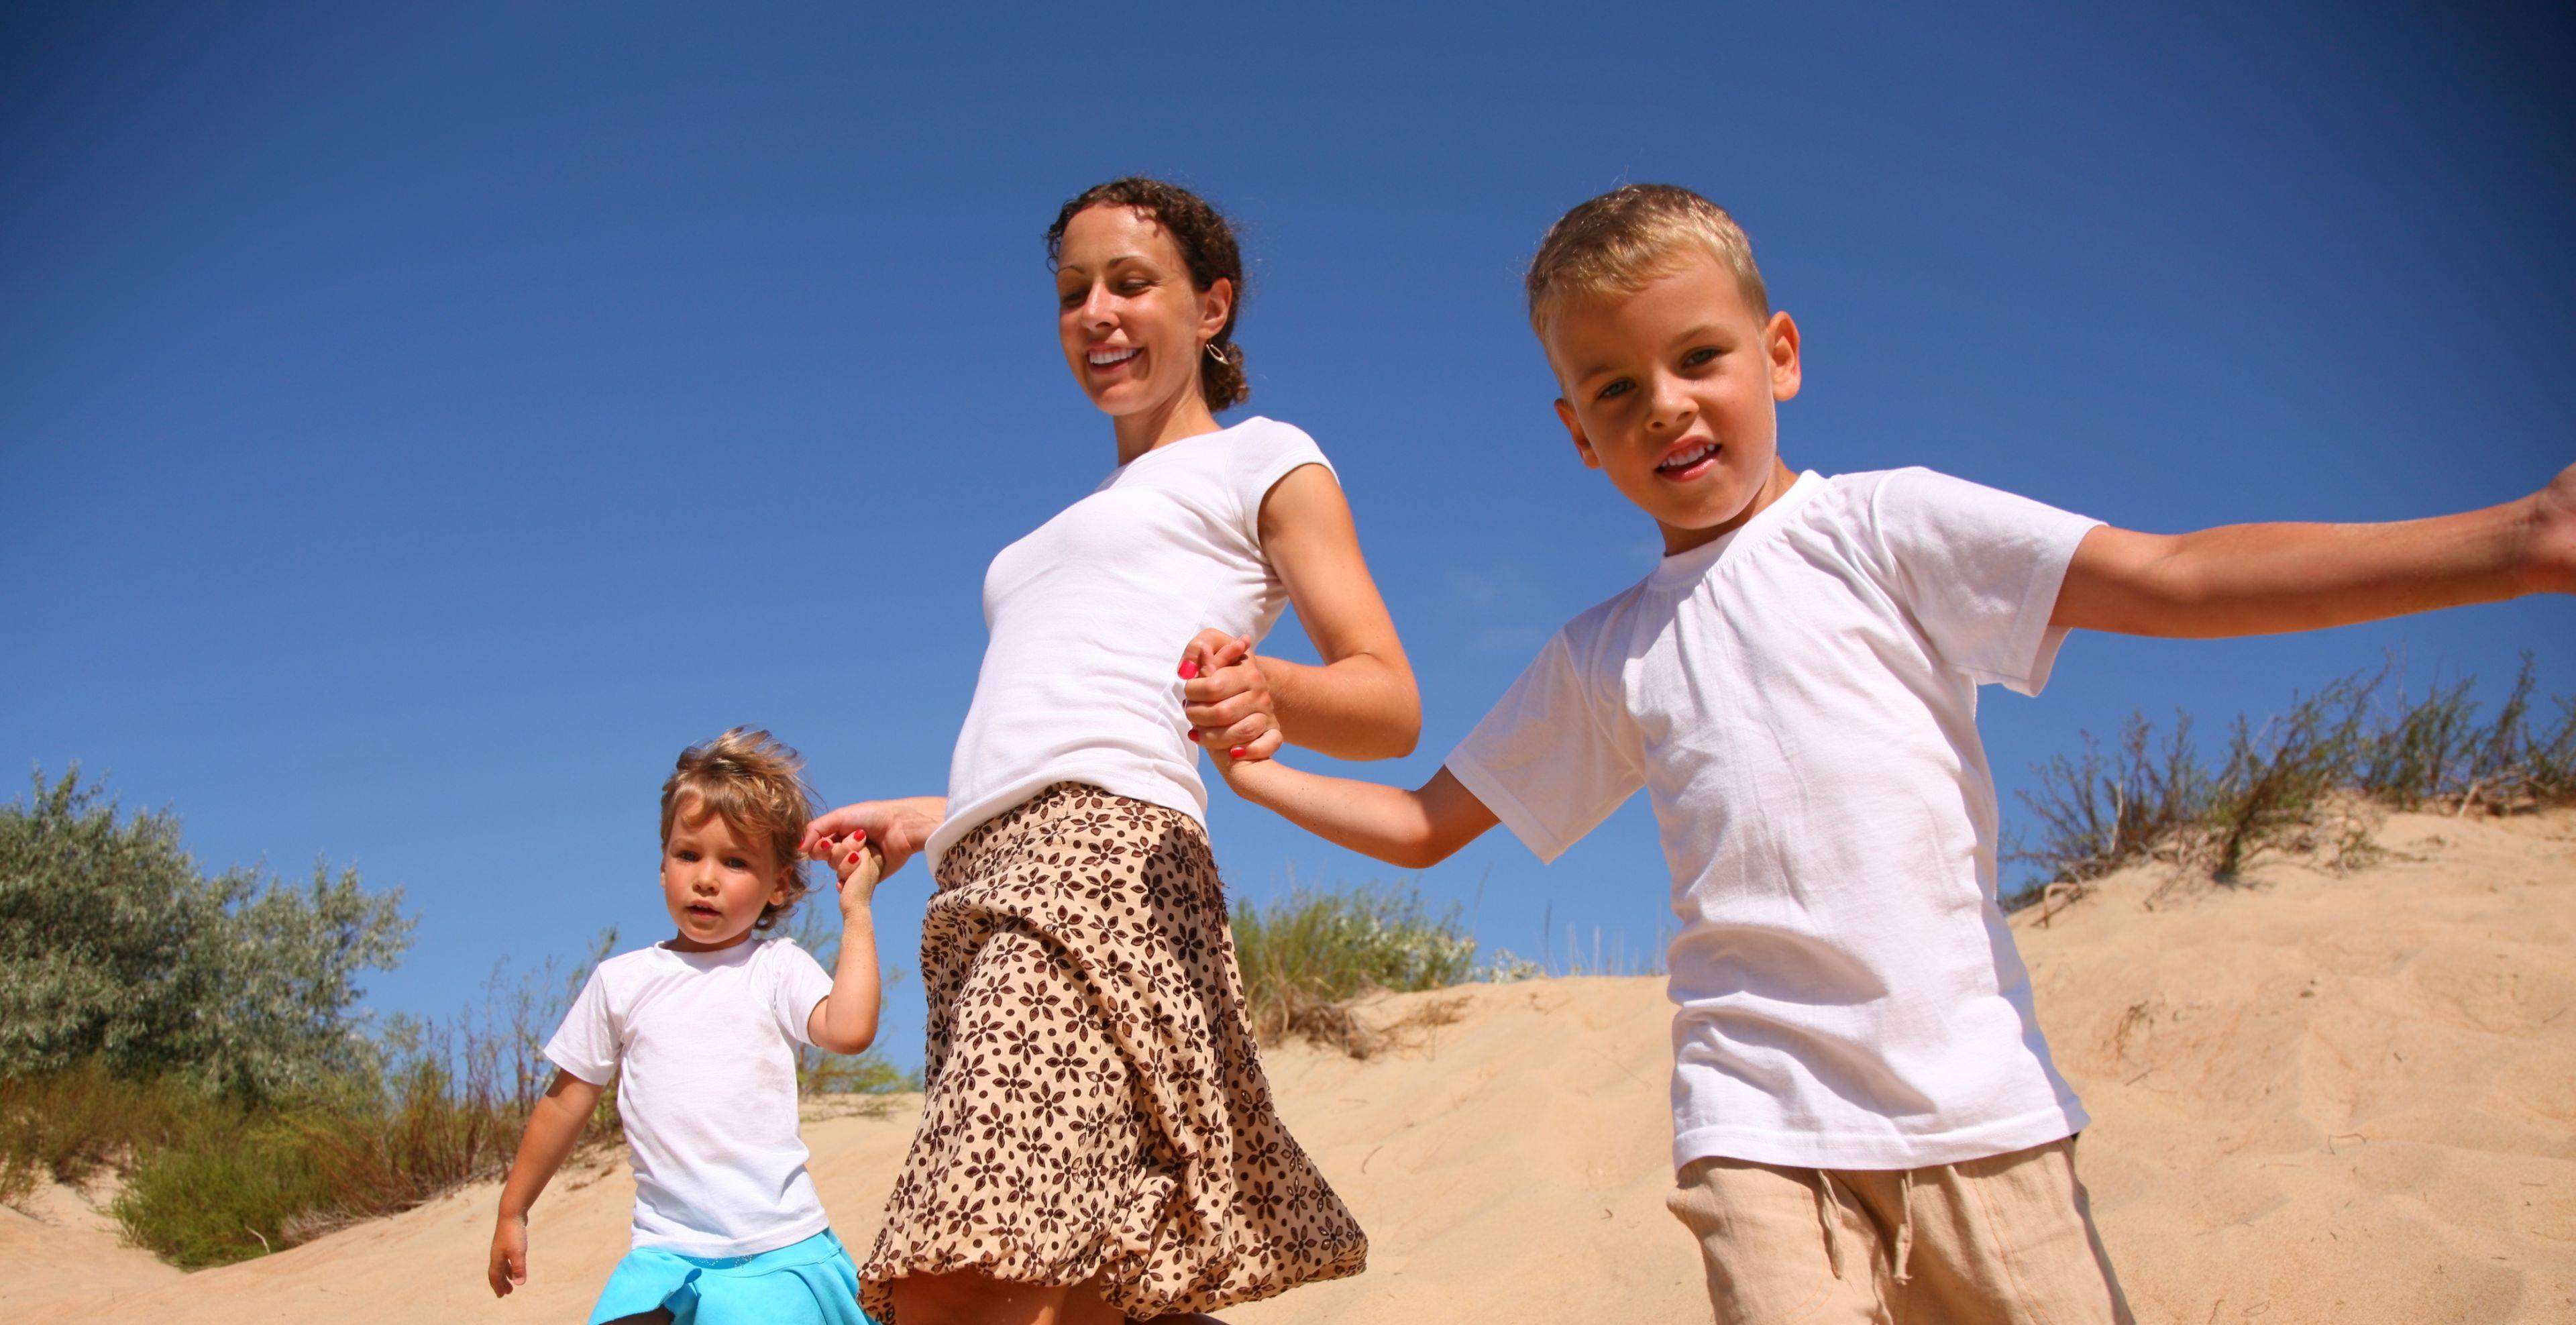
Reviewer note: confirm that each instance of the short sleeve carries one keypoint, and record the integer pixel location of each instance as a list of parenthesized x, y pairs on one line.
[(1979, 570), (586, 1044), (797, 982), (1269, 452), (1543, 760)]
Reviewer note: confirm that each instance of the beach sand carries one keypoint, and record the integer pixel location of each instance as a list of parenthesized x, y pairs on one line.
[(2316, 1097)]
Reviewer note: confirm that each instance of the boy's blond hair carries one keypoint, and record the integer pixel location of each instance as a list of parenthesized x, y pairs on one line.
[(1627, 237), (755, 784)]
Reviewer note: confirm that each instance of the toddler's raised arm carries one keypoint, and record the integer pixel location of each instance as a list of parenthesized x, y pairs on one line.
[(845, 1022), (2260, 579)]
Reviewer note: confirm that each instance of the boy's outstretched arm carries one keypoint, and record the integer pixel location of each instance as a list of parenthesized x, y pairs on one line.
[(554, 1127), (1412, 829), (2261, 579)]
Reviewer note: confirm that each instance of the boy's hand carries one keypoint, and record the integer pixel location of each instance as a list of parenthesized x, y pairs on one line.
[(1227, 699), (2549, 560), (857, 866), (509, 1267)]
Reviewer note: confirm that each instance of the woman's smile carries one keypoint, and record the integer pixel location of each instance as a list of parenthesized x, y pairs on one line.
[(1108, 360)]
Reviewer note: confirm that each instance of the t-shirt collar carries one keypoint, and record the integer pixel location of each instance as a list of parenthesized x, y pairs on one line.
[(1124, 470), (1683, 567), (708, 961)]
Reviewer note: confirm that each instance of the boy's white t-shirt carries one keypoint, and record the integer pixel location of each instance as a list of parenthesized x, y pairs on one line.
[(1089, 613), (1799, 699), (706, 1042)]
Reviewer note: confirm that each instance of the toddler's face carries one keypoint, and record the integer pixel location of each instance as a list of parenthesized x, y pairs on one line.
[(715, 880), (1130, 322), (1670, 392)]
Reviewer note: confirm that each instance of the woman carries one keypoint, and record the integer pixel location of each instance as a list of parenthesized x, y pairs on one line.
[(1099, 1142)]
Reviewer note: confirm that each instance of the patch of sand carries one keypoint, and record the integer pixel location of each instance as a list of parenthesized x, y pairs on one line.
[(61, 1256), (2315, 1098)]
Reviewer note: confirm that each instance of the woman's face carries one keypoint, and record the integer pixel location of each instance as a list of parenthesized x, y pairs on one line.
[(1133, 327)]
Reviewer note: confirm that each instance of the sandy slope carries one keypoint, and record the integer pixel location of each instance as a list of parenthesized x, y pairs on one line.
[(2317, 1098)]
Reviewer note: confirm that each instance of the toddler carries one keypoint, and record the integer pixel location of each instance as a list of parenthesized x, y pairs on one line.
[(700, 1031)]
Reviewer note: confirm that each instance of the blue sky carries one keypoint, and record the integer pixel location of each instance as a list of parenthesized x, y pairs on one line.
[(416, 426)]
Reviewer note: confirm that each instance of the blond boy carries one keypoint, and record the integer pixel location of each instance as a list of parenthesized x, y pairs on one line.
[(1866, 1121)]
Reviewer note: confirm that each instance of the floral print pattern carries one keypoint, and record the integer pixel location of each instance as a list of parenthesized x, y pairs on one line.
[(1096, 1104)]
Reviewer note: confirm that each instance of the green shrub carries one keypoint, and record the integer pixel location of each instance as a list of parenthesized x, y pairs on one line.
[(114, 947), (1304, 958), (69, 1125), (238, 1177)]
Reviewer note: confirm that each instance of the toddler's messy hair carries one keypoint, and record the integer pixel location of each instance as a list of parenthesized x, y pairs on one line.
[(756, 784), (1626, 237)]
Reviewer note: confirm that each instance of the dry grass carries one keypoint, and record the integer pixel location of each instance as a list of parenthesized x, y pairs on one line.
[(2290, 783)]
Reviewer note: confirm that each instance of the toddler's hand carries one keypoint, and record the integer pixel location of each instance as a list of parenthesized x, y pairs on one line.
[(1226, 698), (509, 1267), (857, 865)]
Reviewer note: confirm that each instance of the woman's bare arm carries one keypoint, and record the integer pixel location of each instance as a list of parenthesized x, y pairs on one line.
[(1360, 703)]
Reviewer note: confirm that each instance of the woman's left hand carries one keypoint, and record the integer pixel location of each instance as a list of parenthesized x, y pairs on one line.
[(857, 865), (1226, 698)]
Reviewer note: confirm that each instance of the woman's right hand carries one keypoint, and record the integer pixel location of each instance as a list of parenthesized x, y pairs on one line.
[(896, 828)]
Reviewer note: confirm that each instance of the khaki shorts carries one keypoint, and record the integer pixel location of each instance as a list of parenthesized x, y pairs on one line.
[(2006, 1238)]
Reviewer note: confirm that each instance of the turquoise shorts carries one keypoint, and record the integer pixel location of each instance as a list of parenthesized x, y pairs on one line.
[(812, 1282)]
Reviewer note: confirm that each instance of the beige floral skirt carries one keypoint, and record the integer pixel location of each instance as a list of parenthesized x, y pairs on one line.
[(1096, 1105)]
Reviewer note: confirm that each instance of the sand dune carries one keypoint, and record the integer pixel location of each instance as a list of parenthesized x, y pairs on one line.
[(2316, 1098)]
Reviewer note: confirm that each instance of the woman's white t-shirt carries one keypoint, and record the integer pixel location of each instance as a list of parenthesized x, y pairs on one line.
[(706, 1044), (1799, 700), (1088, 616)]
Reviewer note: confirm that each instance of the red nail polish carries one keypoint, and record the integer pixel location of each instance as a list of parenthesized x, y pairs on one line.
[(854, 858), (1189, 669), (861, 835), (1235, 753)]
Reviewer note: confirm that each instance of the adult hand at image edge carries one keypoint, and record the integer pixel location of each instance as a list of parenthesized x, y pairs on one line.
[(897, 828)]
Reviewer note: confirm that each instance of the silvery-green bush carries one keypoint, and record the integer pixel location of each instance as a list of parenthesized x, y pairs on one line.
[(114, 946)]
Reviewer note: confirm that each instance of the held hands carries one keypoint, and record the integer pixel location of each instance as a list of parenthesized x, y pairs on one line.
[(893, 831), (509, 1267), (857, 866), (1227, 700)]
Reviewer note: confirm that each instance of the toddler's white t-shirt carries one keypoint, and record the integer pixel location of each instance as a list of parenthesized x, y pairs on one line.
[(706, 1042), (1799, 699), (1088, 616)]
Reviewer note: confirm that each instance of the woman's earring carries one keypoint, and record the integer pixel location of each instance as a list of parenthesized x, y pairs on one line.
[(1218, 352)]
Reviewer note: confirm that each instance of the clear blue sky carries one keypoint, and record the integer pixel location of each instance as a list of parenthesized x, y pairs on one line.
[(417, 423)]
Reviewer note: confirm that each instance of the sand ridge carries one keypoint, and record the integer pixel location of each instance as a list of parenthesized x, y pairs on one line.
[(2316, 1097)]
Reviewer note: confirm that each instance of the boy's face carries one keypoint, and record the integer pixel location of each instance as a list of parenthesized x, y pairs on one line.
[(1670, 392), (715, 880)]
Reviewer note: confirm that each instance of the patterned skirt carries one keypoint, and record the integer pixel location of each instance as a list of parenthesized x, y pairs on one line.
[(1096, 1106)]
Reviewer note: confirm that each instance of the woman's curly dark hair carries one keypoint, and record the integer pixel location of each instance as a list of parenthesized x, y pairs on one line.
[(1207, 247)]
